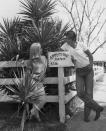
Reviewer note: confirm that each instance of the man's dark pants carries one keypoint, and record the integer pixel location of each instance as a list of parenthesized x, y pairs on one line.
[(84, 85)]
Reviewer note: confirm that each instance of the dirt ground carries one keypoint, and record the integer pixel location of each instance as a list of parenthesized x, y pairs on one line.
[(9, 121), (77, 123)]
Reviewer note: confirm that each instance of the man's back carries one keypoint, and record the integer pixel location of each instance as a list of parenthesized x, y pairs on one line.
[(78, 54)]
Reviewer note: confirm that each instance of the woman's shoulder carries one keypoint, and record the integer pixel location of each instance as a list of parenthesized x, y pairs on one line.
[(44, 59)]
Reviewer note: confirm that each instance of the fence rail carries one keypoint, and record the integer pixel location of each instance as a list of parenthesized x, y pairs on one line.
[(61, 98)]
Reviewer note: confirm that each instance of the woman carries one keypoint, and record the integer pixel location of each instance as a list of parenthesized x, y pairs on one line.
[(36, 66)]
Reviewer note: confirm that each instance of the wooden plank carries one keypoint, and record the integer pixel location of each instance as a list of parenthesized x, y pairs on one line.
[(12, 63), (10, 81), (48, 80), (69, 79), (61, 94), (7, 81), (51, 80), (69, 96), (50, 98), (6, 98)]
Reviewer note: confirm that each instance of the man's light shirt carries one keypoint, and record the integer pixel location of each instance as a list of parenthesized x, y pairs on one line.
[(78, 54)]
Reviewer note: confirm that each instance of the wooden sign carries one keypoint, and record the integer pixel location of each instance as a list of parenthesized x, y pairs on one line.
[(59, 59)]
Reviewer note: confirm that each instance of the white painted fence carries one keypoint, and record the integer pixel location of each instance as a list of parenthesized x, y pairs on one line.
[(60, 80), (62, 98)]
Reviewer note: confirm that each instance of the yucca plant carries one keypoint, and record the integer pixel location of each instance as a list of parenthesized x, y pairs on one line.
[(37, 9), (13, 40), (42, 27), (9, 46), (27, 91), (49, 33), (38, 26)]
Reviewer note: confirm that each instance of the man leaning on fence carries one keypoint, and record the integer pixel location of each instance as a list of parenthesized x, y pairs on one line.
[(83, 61)]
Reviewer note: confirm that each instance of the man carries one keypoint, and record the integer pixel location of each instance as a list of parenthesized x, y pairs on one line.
[(83, 61)]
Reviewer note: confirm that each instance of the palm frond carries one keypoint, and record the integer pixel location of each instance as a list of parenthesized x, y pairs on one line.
[(49, 33), (10, 26), (37, 9), (57, 38), (10, 46), (27, 89)]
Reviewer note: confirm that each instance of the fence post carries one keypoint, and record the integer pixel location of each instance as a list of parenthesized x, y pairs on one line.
[(61, 91)]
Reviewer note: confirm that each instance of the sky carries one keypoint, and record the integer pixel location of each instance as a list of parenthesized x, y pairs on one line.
[(11, 8)]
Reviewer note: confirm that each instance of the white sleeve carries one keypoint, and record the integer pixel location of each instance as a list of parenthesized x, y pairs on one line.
[(68, 48), (63, 47)]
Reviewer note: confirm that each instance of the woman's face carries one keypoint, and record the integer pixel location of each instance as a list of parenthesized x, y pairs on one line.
[(35, 52)]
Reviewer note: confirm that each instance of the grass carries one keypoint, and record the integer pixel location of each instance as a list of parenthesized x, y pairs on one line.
[(32, 126), (10, 122), (50, 118)]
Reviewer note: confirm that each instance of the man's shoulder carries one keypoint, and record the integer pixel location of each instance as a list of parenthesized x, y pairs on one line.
[(66, 47)]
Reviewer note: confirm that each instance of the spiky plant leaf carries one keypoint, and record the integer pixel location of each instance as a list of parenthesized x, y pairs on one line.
[(37, 9), (10, 28), (10, 46), (26, 88), (27, 91), (49, 33)]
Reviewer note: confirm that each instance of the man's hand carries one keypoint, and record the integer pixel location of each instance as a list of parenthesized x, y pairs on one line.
[(73, 60), (90, 66), (89, 54)]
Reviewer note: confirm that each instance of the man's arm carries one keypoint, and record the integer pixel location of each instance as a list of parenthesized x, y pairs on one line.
[(89, 54)]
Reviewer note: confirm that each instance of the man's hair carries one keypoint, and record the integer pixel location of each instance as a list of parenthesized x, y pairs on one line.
[(71, 35)]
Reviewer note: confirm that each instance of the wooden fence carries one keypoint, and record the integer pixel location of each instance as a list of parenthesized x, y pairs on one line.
[(61, 98)]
